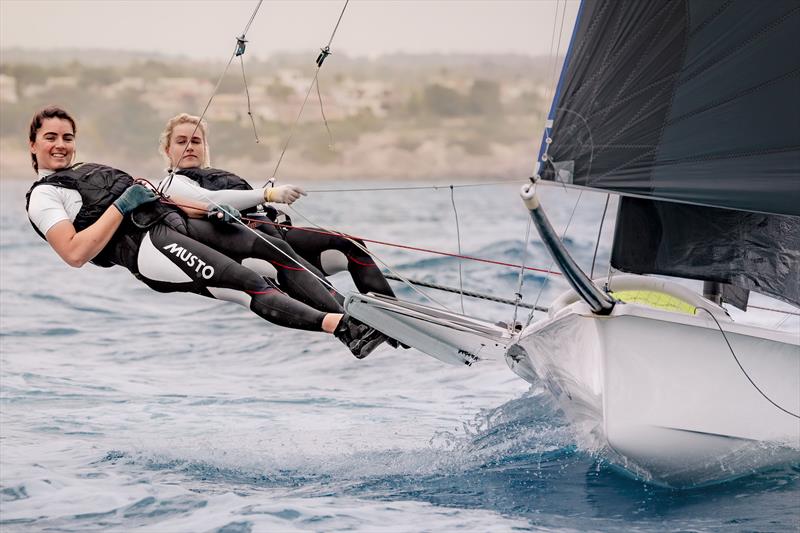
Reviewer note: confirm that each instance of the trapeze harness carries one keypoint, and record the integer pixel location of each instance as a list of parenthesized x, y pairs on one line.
[(322, 250), (159, 246)]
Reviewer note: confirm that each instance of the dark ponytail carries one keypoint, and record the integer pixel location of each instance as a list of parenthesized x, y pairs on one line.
[(38, 119)]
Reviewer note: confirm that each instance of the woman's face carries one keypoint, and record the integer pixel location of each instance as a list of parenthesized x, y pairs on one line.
[(54, 146), (186, 147)]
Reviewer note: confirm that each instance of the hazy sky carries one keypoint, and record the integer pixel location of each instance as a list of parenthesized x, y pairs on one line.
[(206, 29)]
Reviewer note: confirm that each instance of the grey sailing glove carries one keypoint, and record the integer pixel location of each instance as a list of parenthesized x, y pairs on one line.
[(224, 213), (133, 197)]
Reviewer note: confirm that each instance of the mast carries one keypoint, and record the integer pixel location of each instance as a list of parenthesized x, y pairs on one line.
[(600, 302)]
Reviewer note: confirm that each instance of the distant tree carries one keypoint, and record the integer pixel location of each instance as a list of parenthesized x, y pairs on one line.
[(27, 74), (231, 83), (484, 98), (442, 101), (279, 91)]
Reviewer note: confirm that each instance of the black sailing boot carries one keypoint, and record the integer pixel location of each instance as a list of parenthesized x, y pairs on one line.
[(394, 343), (360, 338)]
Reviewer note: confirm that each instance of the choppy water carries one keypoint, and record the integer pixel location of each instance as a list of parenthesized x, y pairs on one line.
[(124, 409)]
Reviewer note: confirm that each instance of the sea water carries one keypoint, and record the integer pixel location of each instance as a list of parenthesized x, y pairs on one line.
[(123, 409)]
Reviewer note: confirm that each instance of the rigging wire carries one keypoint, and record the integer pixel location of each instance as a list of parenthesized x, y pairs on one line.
[(471, 294), (551, 90), (518, 296), (374, 257), (420, 187), (238, 50), (753, 383), (324, 53), (599, 234), (458, 239), (551, 85), (552, 263)]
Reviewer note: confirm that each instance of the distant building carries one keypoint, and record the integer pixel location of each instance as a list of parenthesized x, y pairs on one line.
[(350, 97), (233, 108), (175, 95), (122, 85), (54, 82)]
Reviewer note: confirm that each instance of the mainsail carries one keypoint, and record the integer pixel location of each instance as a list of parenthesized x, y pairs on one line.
[(689, 109)]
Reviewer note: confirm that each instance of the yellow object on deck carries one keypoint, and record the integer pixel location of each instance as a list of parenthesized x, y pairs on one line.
[(657, 300)]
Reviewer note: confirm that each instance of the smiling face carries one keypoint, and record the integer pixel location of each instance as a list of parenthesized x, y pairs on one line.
[(186, 146), (54, 146)]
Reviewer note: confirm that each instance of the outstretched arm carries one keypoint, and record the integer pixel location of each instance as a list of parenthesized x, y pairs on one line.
[(184, 187), (187, 190)]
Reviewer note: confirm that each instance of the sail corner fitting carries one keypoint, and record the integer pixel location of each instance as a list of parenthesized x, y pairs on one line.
[(528, 194)]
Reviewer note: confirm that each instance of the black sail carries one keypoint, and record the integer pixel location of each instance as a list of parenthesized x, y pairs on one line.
[(689, 109)]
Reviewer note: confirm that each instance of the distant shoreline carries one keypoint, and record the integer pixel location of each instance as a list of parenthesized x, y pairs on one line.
[(507, 162)]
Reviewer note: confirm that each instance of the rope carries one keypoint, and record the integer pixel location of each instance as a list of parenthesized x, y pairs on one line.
[(325, 52), (724, 336), (374, 257), (324, 118), (401, 246), (471, 294), (458, 239)]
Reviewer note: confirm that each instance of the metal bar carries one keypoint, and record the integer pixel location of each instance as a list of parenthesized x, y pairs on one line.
[(471, 294), (600, 302)]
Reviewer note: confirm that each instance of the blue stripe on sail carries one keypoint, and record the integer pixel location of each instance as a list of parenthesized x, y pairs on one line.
[(554, 103)]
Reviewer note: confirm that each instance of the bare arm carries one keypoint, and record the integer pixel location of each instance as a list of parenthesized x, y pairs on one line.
[(76, 248), (192, 208)]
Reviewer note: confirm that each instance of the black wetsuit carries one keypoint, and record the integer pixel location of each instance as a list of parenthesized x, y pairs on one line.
[(171, 253), (308, 244)]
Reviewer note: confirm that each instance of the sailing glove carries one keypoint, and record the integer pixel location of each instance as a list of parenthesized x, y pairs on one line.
[(285, 194), (224, 213), (133, 197)]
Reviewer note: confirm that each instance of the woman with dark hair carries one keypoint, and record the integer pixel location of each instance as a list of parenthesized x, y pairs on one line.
[(92, 212)]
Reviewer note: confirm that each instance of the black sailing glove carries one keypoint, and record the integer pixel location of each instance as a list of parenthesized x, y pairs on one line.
[(224, 213), (133, 197)]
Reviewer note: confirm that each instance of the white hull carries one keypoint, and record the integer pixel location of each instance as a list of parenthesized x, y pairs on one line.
[(661, 393)]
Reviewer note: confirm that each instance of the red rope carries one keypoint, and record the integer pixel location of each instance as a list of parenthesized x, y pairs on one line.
[(384, 243), (403, 246)]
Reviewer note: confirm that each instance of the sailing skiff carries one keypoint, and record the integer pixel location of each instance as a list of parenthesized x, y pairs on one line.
[(686, 109)]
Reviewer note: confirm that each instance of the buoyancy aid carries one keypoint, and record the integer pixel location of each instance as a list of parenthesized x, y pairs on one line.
[(215, 179), (99, 186)]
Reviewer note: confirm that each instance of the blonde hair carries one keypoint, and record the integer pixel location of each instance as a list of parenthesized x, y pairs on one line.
[(166, 135)]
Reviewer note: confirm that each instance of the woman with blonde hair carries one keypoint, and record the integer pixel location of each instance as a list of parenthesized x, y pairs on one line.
[(184, 143)]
